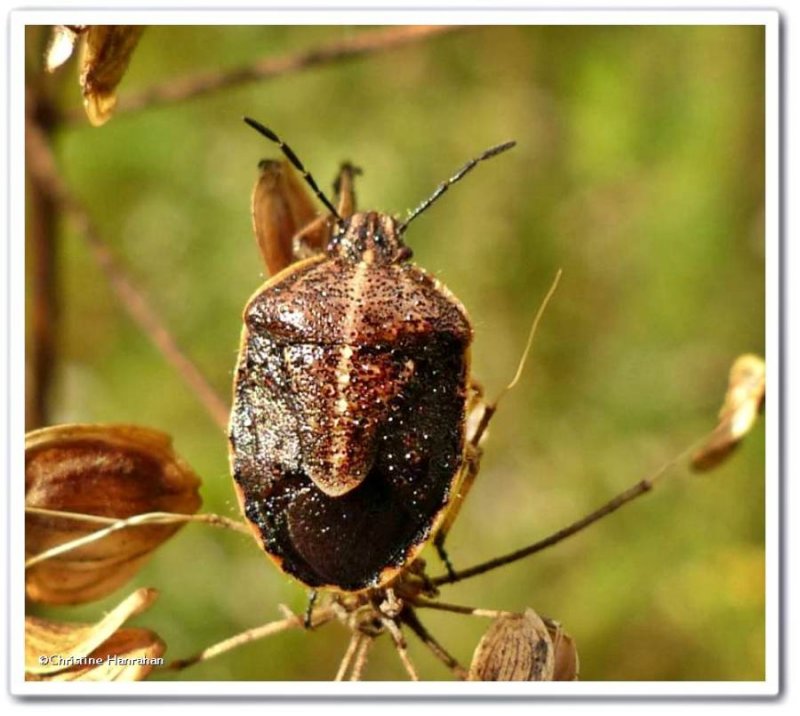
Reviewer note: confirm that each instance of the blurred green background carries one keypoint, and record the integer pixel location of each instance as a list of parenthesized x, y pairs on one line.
[(639, 170)]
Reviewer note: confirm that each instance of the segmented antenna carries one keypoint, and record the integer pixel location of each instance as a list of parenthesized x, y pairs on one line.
[(292, 157), (460, 174)]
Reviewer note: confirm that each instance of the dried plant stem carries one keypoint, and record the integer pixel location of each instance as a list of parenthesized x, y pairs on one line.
[(459, 609), (349, 655), (361, 658), (178, 90), (410, 618), (168, 517), (531, 335), (44, 305), (42, 167), (42, 221), (148, 518), (320, 617), (625, 497), (401, 647)]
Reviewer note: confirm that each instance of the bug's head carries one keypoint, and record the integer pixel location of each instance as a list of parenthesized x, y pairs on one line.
[(371, 237)]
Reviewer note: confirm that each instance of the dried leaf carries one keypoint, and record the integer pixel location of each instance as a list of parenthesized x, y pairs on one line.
[(565, 653), (129, 655), (81, 651), (114, 471), (106, 53), (281, 207), (743, 402), (516, 647), (61, 45)]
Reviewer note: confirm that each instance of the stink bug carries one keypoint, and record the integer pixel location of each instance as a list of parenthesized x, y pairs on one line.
[(347, 435)]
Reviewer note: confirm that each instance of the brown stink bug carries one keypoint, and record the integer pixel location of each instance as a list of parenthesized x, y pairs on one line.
[(348, 441)]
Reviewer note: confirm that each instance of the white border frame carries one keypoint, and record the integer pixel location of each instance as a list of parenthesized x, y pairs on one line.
[(19, 19)]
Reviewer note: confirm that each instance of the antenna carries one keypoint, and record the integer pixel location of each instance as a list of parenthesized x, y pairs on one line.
[(460, 174), (292, 157)]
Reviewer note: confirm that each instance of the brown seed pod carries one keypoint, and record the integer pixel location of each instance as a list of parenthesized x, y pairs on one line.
[(112, 471), (107, 51), (565, 654), (61, 651), (517, 647), (744, 400)]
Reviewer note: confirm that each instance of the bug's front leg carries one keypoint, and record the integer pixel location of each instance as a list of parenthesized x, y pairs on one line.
[(313, 237), (280, 208), (345, 191), (286, 224)]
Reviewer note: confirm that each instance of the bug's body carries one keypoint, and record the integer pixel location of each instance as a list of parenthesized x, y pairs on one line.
[(347, 430)]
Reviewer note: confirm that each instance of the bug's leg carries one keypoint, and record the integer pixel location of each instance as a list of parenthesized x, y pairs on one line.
[(344, 189), (307, 616), (479, 414), (467, 479), (390, 610), (312, 238), (281, 207)]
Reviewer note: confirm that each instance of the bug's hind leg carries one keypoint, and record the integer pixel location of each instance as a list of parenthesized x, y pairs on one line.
[(479, 415)]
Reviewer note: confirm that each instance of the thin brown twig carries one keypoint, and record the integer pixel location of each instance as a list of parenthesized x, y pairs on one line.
[(410, 618), (459, 609), (180, 89), (270, 67), (42, 167), (44, 305), (43, 226), (625, 497), (320, 617)]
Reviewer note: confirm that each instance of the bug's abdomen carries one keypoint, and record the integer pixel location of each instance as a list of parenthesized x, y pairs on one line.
[(288, 424)]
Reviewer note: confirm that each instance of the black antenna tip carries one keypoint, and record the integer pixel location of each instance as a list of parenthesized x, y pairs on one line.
[(261, 129)]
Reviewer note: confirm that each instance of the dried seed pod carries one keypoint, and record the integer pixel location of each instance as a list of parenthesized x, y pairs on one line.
[(107, 51), (60, 651), (744, 400), (565, 654), (112, 471), (517, 647), (281, 207)]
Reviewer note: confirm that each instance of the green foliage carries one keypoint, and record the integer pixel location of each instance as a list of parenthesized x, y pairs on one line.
[(639, 171)]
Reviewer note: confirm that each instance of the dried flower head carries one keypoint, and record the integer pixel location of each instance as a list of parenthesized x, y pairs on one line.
[(517, 647), (743, 402), (62, 651), (109, 471), (106, 53), (566, 666)]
